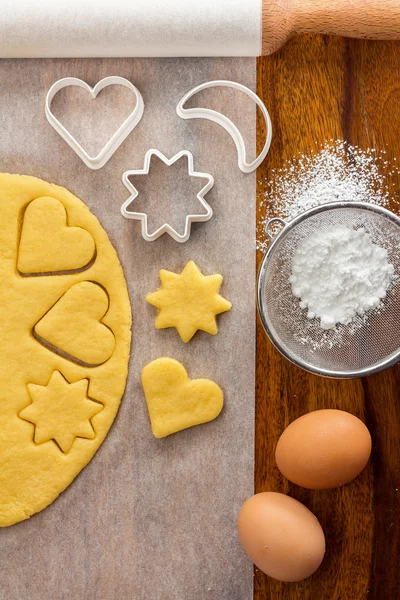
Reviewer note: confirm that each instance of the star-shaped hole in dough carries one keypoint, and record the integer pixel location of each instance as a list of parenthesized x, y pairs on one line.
[(61, 411), (189, 301)]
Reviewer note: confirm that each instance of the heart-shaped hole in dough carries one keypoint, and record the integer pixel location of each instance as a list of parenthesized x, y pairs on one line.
[(48, 245), (74, 325)]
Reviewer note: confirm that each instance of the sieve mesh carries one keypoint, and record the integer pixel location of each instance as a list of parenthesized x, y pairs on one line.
[(369, 343)]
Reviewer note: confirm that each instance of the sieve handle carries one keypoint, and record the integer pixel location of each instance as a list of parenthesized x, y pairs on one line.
[(269, 235)]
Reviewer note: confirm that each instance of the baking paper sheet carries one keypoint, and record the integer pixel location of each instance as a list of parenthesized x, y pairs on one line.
[(148, 519), (44, 28)]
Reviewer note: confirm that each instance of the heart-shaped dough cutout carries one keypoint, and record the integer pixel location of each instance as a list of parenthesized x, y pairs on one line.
[(176, 402), (48, 244), (73, 325)]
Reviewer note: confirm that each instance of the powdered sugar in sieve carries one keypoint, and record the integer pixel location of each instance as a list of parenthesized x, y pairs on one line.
[(369, 343)]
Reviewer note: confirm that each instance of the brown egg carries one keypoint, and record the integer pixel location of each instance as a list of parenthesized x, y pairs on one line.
[(281, 536), (323, 449)]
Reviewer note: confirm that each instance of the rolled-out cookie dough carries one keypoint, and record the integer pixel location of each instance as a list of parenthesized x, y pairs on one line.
[(56, 406)]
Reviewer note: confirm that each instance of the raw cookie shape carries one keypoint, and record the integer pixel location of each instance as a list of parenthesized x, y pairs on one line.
[(61, 411), (73, 325), (48, 244), (176, 402), (189, 301)]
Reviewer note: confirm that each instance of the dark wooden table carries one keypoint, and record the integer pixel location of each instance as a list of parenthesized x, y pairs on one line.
[(319, 88)]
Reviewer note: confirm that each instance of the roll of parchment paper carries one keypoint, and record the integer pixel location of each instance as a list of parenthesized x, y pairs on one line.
[(101, 28)]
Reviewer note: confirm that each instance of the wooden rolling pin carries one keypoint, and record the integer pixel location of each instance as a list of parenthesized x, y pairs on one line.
[(371, 19), (73, 28)]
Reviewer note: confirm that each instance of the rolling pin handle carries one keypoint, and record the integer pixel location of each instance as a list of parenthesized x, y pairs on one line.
[(369, 19)]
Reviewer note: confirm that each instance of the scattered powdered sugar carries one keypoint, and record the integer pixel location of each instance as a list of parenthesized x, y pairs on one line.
[(337, 171), (339, 273)]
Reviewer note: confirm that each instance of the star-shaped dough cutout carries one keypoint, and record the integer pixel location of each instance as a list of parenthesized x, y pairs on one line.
[(61, 411), (189, 301)]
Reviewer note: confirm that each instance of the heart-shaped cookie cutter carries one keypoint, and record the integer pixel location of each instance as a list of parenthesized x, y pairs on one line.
[(166, 228), (95, 162), (217, 117)]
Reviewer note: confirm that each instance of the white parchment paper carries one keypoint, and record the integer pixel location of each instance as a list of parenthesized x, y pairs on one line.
[(147, 519), (45, 28)]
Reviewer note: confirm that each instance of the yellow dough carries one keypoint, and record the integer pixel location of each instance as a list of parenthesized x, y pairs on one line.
[(48, 244), (176, 402), (61, 411), (65, 338), (189, 301), (73, 325)]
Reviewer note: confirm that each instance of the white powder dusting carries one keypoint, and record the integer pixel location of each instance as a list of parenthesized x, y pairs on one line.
[(339, 273), (337, 171)]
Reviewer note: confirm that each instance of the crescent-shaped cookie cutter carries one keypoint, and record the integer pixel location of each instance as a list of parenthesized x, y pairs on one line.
[(166, 228), (95, 162), (212, 115)]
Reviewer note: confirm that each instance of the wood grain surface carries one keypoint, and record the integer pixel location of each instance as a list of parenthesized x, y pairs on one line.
[(318, 88)]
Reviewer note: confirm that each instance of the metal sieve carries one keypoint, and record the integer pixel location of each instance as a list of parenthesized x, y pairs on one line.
[(370, 343)]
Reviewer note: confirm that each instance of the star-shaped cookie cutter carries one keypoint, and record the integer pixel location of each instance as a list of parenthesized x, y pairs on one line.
[(166, 228)]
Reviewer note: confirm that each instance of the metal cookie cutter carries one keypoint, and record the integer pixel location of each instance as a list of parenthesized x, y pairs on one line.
[(95, 162), (212, 115), (166, 228)]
